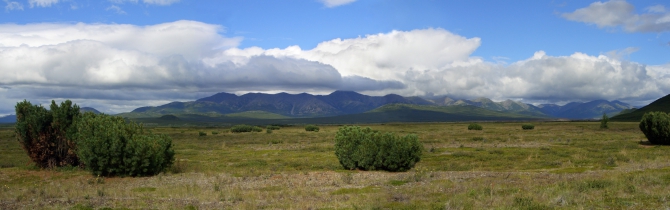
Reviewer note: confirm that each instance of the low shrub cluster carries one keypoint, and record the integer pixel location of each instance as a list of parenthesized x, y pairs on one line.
[(200, 133), (313, 128), (528, 127), (656, 127), (46, 135), (104, 145), (108, 146), (358, 148), (272, 127), (474, 126), (245, 128)]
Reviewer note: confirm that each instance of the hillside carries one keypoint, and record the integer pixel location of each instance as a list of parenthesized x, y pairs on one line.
[(8, 119), (662, 105), (588, 110)]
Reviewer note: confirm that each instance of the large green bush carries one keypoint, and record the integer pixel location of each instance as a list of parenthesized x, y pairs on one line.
[(358, 148), (46, 135), (245, 128), (109, 146), (656, 127)]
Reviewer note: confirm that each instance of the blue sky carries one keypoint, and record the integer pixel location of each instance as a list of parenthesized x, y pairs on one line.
[(117, 55)]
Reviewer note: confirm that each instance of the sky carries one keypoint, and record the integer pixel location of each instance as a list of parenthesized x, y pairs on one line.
[(118, 55)]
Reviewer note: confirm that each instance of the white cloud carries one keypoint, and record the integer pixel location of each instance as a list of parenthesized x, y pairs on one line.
[(13, 5), (116, 9), (42, 3), (335, 3), (160, 2), (617, 13), (125, 62), (118, 65)]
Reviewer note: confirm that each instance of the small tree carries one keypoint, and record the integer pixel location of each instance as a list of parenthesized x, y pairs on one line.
[(47, 135), (603, 121)]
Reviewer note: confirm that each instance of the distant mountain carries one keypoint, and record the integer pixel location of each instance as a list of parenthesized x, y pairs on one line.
[(293, 105), (660, 105), (8, 119), (588, 110), (503, 106)]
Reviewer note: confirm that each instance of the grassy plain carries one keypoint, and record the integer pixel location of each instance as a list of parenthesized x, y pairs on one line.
[(558, 165)]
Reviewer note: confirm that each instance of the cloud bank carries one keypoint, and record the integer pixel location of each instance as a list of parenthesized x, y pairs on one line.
[(615, 13), (117, 67)]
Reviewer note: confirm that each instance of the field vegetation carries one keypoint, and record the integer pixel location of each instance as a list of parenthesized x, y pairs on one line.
[(557, 165)]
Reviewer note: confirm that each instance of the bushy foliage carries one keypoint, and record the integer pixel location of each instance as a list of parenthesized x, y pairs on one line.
[(108, 146), (313, 128), (656, 127), (358, 148), (200, 133), (272, 127), (245, 128), (474, 126), (603, 122), (528, 127), (46, 135)]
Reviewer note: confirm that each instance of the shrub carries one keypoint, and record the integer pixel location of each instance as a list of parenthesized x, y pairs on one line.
[(268, 130), (474, 126), (200, 133), (272, 127), (603, 122), (528, 127), (46, 135), (108, 146), (245, 128), (656, 127), (215, 132), (365, 149), (312, 128)]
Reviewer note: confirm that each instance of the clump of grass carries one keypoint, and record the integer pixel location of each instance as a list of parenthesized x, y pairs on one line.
[(268, 130), (478, 138), (313, 128), (528, 127), (215, 133), (200, 133), (474, 126), (245, 128)]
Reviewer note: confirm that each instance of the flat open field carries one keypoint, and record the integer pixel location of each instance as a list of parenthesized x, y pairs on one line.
[(559, 165)]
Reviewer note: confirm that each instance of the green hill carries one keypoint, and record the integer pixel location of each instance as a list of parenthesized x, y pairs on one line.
[(384, 114), (662, 105)]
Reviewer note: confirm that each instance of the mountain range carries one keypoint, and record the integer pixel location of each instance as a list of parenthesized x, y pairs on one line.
[(349, 102)]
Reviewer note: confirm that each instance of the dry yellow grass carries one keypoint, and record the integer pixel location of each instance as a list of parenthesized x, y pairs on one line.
[(566, 165)]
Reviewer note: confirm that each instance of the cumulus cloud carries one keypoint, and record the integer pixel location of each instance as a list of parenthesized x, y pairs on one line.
[(13, 5), (335, 3), (116, 9), (121, 65), (615, 13), (42, 3), (123, 62)]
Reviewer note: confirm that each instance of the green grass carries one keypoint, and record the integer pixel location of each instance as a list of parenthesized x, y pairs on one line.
[(257, 115), (559, 165)]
